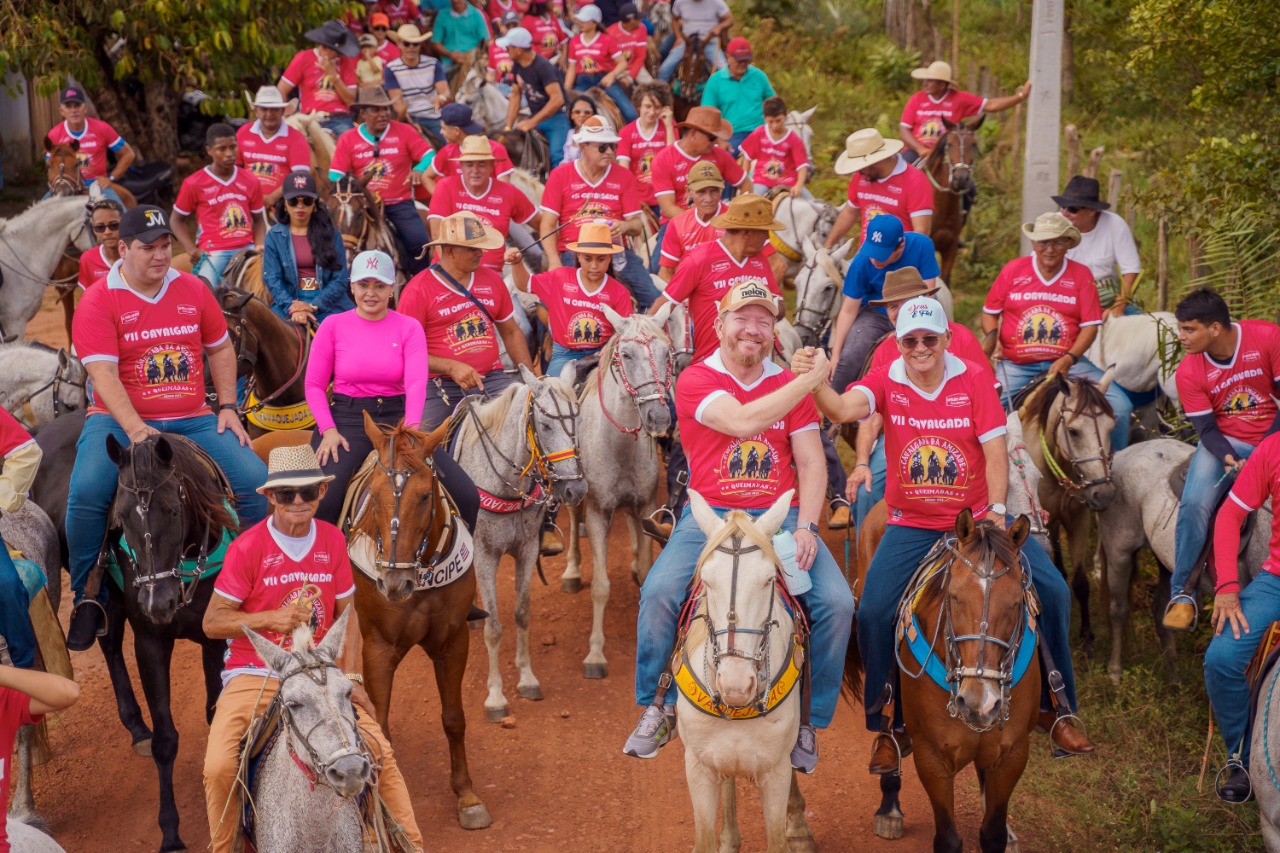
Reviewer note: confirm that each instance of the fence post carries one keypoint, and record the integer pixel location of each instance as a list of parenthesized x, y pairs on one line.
[(1095, 157), (1162, 268)]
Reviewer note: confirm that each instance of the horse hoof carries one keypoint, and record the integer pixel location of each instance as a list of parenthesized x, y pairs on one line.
[(888, 826), (143, 747), (571, 585), (801, 845), (533, 693), (594, 670), (495, 715), (474, 817)]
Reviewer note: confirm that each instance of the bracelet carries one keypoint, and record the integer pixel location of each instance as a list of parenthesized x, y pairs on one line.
[(862, 465), (355, 676), (222, 407), (1075, 359)]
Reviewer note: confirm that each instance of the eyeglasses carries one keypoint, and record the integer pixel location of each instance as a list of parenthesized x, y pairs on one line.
[(929, 341), (300, 201), (1072, 209), (1058, 244), (606, 146), (287, 496), (104, 227)]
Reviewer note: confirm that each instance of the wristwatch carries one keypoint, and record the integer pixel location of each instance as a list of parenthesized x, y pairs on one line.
[(999, 509), (809, 526)]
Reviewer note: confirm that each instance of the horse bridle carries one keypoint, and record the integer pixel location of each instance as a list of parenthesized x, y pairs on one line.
[(953, 166), (243, 331), (661, 380), (66, 183), (541, 466), (399, 478), (317, 670), (346, 213), (1075, 482), (685, 347), (828, 267), (59, 405)]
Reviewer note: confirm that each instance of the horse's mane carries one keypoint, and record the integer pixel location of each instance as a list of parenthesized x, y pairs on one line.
[(414, 440), (736, 523), (36, 209), (203, 492), (646, 324), (492, 414), (1040, 402), (993, 544)]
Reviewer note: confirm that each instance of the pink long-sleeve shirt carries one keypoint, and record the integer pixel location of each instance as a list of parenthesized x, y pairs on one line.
[(367, 358)]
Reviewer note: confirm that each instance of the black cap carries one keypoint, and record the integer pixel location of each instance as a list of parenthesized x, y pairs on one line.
[(144, 223), (334, 35), (627, 11), (511, 18), (300, 184), (72, 94)]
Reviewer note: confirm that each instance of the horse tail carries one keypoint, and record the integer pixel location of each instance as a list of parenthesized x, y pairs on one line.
[(852, 687)]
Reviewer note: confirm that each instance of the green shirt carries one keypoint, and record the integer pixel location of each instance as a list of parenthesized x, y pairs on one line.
[(741, 102), (460, 33)]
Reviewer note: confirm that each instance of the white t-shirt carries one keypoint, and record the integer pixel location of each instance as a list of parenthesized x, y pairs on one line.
[(697, 17), (1108, 246)]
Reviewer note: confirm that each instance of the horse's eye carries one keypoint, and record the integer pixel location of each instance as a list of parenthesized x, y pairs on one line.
[(1074, 432), (293, 705)]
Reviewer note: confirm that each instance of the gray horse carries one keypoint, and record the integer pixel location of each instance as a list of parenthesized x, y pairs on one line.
[(624, 412), (1263, 770), (819, 283), (320, 730), (513, 446), (48, 381), (31, 245)]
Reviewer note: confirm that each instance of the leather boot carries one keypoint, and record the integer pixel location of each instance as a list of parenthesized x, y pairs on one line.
[(1067, 739), (884, 757), (838, 517), (552, 543)]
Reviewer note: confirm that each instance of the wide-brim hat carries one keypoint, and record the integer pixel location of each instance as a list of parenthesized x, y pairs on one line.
[(936, 70), (864, 148), (598, 130), (293, 467), (748, 212), (475, 149), (595, 238), (371, 96), (1051, 226), (468, 230), (709, 121), (753, 291), (903, 284), (1081, 192), (269, 98), (335, 36), (410, 34)]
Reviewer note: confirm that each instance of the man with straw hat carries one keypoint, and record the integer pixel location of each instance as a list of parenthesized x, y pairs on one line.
[(416, 83), (701, 134), (268, 148), (464, 307), (882, 182), (1046, 308), (941, 101), (286, 571), (325, 76), (498, 203)]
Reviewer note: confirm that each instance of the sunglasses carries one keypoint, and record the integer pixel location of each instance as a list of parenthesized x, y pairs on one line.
[(1073, 209), (287, 496), (929, 341), (606, 146), (379, 29), (300, 201), (104, 227)]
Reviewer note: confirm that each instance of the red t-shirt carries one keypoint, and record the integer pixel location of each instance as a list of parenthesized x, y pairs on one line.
[(388, 176), (455, 327), (496, 9), (269, 160), (738, 473), (498, 205), (157, 344), (93, 268), (15, 712), (315, 90), (671, 171), (933, 443), (388, 51), (402, 12), (14, 435), (260, 575), (547, 34), (598, 57), (1259, 481), (576, 319), (924, 116), (702, 280), (777, 162), (640, 152), (685, 233), (445, 165), (1039, 320), (1239, 394), (224, 209), (964, 346), (634, 46), (575, 200), (95, 140), (502, 66), (904, 194)]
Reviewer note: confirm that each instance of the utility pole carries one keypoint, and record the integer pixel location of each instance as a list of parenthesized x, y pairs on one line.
[(955, 38), (1044, 111)]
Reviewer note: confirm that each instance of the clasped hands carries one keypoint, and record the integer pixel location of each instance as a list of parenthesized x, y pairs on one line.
[(811, 366)]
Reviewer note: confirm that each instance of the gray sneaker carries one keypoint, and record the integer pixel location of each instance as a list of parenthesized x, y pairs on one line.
[(804, 755), (655, 728)]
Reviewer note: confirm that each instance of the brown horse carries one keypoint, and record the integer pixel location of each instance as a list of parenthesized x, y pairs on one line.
[(403, 510), (970, 605), (691, 77), (358, 216), (272, 352), (62, 168), (950, 170)]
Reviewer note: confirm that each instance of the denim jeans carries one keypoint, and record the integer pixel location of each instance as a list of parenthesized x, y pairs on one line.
[(444, 395), (613, 90), (736, 139), (1205, 486), (431, 124), (1226, 659), (93, 483), (1015, 377), (338, 123), (556, 129), (411, 234), (560, 356), (15, 621), (866, 500), (655, 257), (669, 65), (896, 559), (829, 602), (635, 275), (213, 264)]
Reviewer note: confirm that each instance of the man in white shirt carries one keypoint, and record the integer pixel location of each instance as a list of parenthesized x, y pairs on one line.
[(1106, 244)]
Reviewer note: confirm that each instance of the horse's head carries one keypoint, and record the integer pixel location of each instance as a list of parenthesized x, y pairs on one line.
[(959, 145), (1075, 421), (69, 384), (983, 608), (62, 166), (818, 290), (694, 69), (639, 357), (235, 308), (353, 211), (799, 122), (738, 570), (679, 328), (315, 698), (406, 515), (553, 433)]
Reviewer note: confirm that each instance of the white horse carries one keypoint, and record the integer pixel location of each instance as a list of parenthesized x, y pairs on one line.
[(1265, 756), (26, 836), (1023, 497), (1134, 344), (38, 383), (31, 245), (488, 105), (798, 121), (804, 219), (733, 673), (623, 413)]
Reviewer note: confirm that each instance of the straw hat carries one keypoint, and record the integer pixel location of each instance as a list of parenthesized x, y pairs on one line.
[(937, 70), (293, 467), (412, 35), (466, 229), (1051, 226), (709, 121), (864, 148), (704, 174), (269, 98), (595, 239), (475, 149), (753, 291), (749, 212), (901, 285), (371, 96)]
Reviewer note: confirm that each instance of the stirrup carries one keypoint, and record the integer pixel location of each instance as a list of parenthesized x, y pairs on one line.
[(102, 631), (1057, 751), (650, 524), (1233, 763), (1195, 609), (897, 747)]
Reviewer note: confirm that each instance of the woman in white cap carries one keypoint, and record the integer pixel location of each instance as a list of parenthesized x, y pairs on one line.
[(595, 60), (304, 264), (581, 108), (376, 360)]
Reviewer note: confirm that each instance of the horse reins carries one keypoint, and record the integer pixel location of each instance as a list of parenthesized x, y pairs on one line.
[(399, 478), (541, 465), (65, 182), (952, 166), (1070, 484), (823, 259), (616, 368), (243, 331), (317, 670), (59, 405)]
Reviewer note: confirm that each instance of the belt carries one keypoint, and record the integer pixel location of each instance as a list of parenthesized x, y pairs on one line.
[(366, 402)]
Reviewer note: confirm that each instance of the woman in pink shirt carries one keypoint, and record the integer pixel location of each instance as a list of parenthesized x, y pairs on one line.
[(376, 360)]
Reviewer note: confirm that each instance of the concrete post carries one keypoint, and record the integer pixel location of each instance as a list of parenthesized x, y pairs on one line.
[(1044, 112)]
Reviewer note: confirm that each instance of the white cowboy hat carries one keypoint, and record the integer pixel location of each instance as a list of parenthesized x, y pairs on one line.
[(596, 129), (269, 98), (937, 70), (864, 148)]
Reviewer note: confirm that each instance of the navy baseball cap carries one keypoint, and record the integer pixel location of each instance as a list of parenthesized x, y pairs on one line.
[(145, 223), (72, 95), (884, 234), (459, 115)]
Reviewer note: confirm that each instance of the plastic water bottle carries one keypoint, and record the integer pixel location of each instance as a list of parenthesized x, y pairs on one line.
[(784, 543)]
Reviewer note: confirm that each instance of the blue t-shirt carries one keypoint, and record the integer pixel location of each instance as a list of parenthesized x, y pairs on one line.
[(863, 281)]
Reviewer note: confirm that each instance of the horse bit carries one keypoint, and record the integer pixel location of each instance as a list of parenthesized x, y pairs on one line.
[(1078, 483), (399, 478), (541, 465), (662, 381), (318, 671)]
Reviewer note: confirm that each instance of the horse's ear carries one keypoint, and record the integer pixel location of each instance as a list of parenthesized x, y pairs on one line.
[(1020, 530), (664, 313), (164, 451), (704, 514), (115, 450), (375, 435), (809, 246), (568, 374), (808, 114), (48, 144), (973, 122), (949, 125), (771, 521), (75, 144), (965, 526), (331, 646), (63, 360), (435, 438), (528, 376), (272, 655), (843, 250), (615, 319), (1107, 378)]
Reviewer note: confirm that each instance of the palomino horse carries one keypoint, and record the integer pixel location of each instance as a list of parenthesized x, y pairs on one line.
[(1067, 425), (358, 216), (971, 604), (272, 352), (950, 170), (691, 77), (62, 168), (41, 383), (521, 451), (31, 247), (742, 652), (403, 510), (624, 413)]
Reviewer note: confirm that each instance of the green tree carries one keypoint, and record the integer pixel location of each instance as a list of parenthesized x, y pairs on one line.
[(138, 58)]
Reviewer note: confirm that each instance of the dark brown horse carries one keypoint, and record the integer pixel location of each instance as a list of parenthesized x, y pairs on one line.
[(971, 611), (528, 151), (62, 168), (691, 77), (950, 170), (272, 352), (406, 515)]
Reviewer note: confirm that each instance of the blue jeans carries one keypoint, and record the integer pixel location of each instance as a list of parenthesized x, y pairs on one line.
[(896, 559), (635, 275), (1226, 658), (560, 356), (613, 90), (655, 258), (761, 189), (866, 500), (1015, 377), (836, 477), (669, 65), (736, 139), (829, 602), (556, 129), (15, 621), (411, 234), (338, 123), (94, 478), (1205, 486), (212, 264), (431, 124)]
